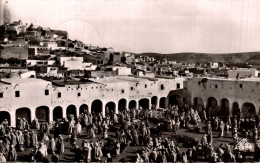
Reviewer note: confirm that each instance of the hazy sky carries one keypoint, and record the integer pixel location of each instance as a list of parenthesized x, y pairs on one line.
[(165, 26)]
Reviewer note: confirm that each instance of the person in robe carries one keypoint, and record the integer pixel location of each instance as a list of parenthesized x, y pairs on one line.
[(78, 129), (98, 152), (221, 129), (138, 158), (88, 153), (77, 155), (12, 155), (27, 140), (71, 127), (20, 140), (34, 138), (52, 145), (43, 149), (2, 157), (60, 145), (13, 139), (92, 133)]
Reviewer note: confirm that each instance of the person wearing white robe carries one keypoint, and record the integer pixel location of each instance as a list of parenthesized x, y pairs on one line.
[(78, 129)]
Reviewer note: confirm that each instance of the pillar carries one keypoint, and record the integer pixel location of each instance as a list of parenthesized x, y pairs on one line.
[(12, 118), (103, 109), (50, 115), (116, 108), (33, 114), (64, 112)]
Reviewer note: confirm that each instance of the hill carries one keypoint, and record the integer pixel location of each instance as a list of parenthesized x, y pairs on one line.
[(249, 57)]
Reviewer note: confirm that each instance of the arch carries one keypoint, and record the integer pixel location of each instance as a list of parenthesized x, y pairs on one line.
[(132, 104), (154, 100), (224, 108), (175, 100), (71, 110), (83, 109), (96, 106), (162, 102), (212, 102), (122, 104), (23, 113), (235, 110), (144, 103), (5, 116), (110, 107), (42, 113), (248, 110), (57, 113)]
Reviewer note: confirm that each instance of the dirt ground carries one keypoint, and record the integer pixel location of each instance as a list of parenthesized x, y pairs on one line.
[(130, 152)]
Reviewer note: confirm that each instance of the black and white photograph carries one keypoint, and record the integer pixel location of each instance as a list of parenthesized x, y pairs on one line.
[(130, 81)]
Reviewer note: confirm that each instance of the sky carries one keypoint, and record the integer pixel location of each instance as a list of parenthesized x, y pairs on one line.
[(161, 26)]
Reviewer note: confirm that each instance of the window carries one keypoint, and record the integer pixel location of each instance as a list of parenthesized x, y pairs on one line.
[(123, 91), (216, 86), (145, 86), (162, 87), (46, 92), (178, 85), (241, 85), (199, 82), (79, 94), (132, 88), (59, 94), (17, 93), (1, 94)]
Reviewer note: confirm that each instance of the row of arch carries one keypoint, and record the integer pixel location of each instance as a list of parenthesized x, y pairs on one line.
[(247, 110), (42, 113)]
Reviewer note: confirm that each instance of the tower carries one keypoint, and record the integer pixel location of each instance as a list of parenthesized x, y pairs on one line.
[(7, 16)]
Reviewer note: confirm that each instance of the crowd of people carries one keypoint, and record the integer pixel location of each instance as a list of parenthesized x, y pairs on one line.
[(86, 133)]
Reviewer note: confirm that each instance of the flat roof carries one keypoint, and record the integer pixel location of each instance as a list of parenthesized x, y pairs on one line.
[(22, 80), (233, 79)]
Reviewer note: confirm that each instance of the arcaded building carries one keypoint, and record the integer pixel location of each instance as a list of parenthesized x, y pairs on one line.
[(29, 97), (225, 96)]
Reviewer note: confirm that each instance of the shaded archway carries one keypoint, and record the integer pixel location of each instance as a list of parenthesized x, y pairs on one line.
[(132, 104), (83, 109), (23, 113), (96, 106), (154, 100), (235, 110), (110, 107), (248, 110), (224, 108), (121, 105), (57, 113), (71, 109), (175, 100), (5, 116), (162, 102), (42, 113), (144, 103), (212, 102)]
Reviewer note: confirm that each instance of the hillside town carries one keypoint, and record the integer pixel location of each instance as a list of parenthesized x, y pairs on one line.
[(70, 101)]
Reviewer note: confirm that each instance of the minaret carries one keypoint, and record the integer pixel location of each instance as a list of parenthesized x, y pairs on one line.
[(7, 16)]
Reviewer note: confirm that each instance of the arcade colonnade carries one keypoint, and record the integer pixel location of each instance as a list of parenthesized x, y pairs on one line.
[(227, 107), (50, 113)]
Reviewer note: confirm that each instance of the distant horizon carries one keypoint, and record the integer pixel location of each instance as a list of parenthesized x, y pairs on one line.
[(139, 26)]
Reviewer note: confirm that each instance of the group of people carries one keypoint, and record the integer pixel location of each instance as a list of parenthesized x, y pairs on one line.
[(131, 127)]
